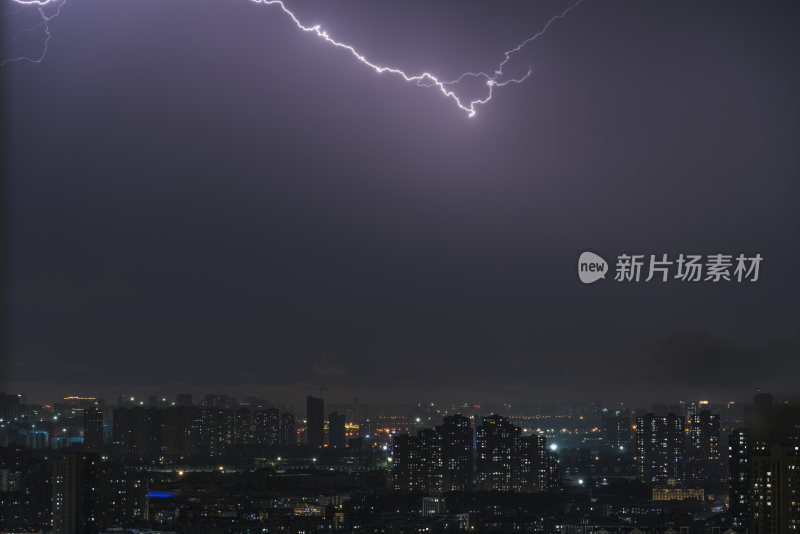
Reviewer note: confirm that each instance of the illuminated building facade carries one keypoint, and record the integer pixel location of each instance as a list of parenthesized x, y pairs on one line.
[(660, 448), (74, 493), (267, 425), (775, 485), (509, 461), (705, 460)]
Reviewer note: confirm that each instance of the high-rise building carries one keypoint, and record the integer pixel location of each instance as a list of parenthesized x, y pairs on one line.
[(436, 459), (660, 448), (414, 462), (9, 406), (137, 432), (336, 431), (496, 439), (93, 429), (533, 471), (181, 431), (616, 428), (764, 464), (739, 459), (288, 430), (210, 401), (456, 454), (509, 461), (121, 494), (242, 425), (429, 447), (74, 493), (183, 399), (775, 482), (315, 421), (405, 466), (267, 424), (366, 429), (705, 461), (217, 429), (226, 402)]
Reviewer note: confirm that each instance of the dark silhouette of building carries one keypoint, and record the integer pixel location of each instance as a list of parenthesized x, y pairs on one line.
[(288, 430), (180, 432), (183, 399), (764, 465), (74, 493), (93, 429), (366, 429), (315, 421), (336, 431), (9, 406), (210, 400), (616, 429), (762, 405), (121, 495), (154, 432), (136, 432), (660, 448)]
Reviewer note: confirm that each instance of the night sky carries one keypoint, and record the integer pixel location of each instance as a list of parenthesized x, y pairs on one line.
[(201, 198)]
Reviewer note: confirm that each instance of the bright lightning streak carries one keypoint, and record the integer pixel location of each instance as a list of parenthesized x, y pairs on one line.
[(424, 79), (46, 14)]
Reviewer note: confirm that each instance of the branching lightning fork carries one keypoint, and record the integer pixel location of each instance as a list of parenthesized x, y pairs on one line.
[(49, 9)]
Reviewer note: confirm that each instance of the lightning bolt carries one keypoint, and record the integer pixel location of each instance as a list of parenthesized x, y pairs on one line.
[(47, 10), (448, 88)]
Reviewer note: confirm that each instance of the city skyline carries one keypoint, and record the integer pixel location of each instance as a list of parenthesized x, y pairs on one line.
[(651, 378), (292, 266), (296, 395), (693, 465)]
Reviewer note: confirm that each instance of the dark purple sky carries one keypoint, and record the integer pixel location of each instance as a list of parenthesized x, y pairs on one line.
[(201, 197)]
